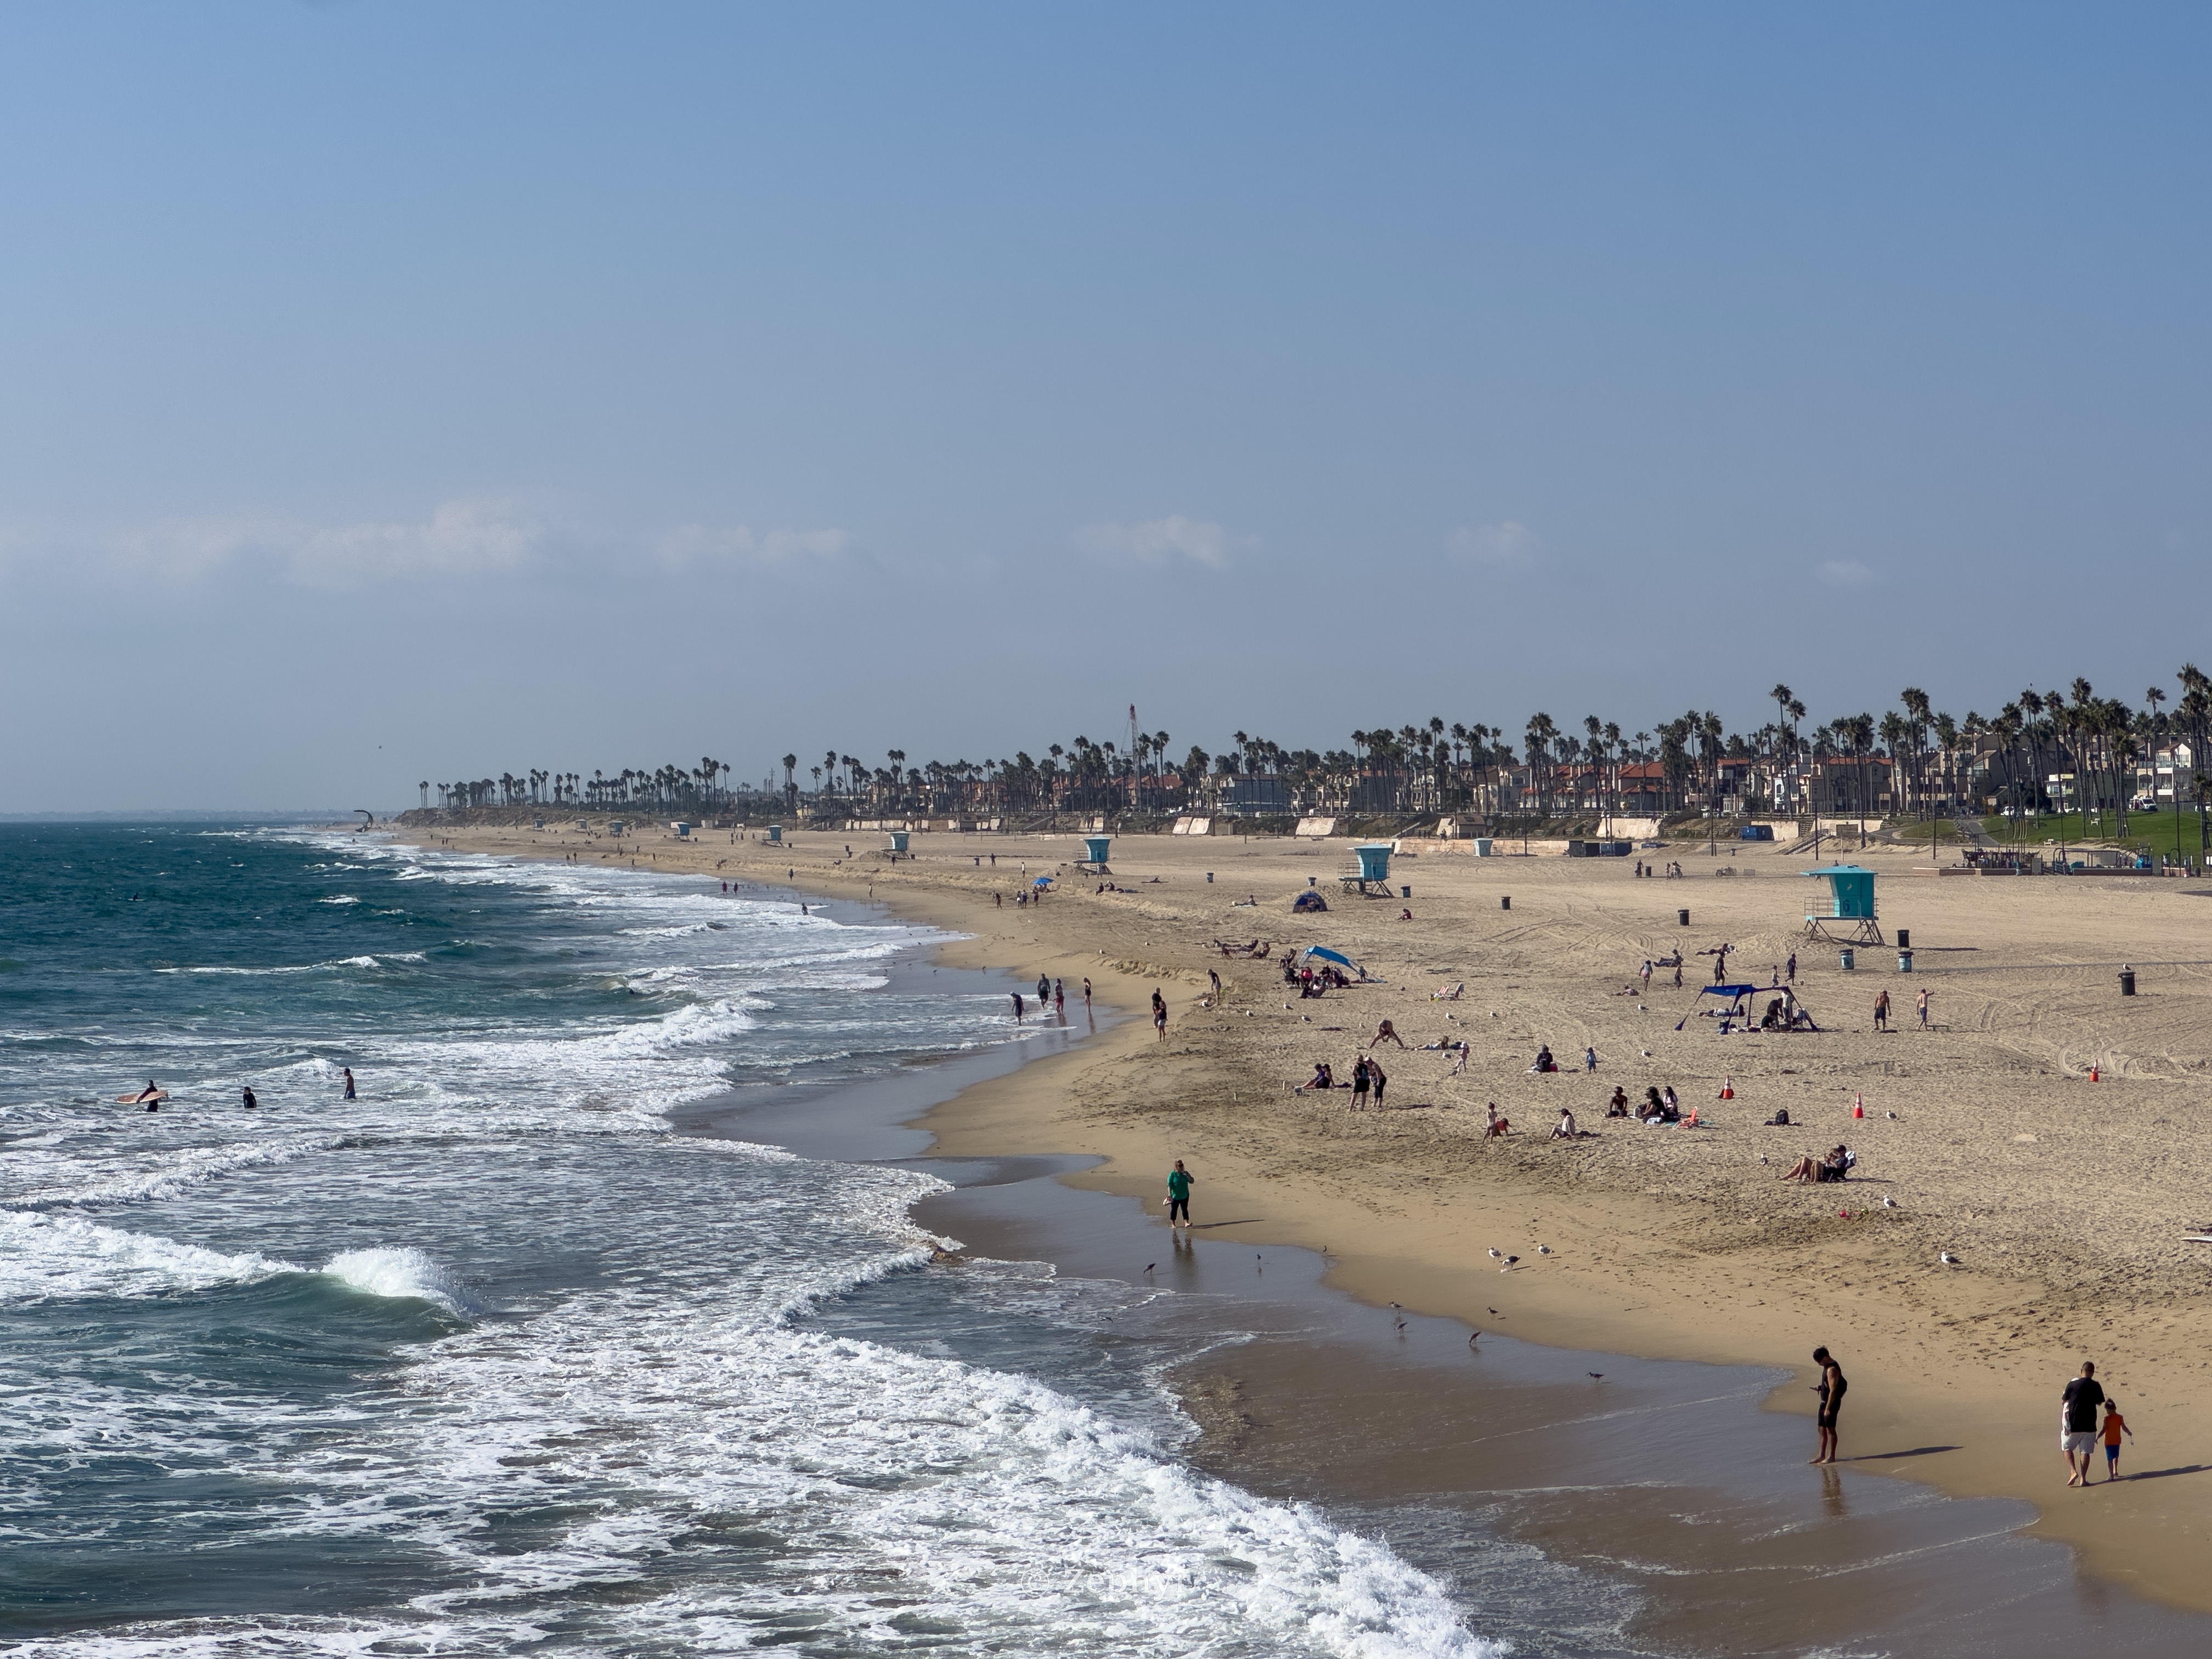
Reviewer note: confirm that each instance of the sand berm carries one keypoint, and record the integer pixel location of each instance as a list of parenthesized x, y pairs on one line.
[(2065, 1201)]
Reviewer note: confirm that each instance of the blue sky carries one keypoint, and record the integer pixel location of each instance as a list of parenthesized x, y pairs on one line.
[(398, 392)]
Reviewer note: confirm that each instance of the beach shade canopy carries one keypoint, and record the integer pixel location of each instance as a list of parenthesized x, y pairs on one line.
[(1308, 900), (1336, 956), (1041, 881), (1743, 999)]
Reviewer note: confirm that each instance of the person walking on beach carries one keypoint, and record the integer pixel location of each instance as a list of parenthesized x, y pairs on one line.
[(1459, 1063), (1044, 990), (1792, 969), (1179, 1183), (1589, 1059), (1159, 1013), (1924, 1007), (1647, 973), (1882, 1012), (2115, 1426), (1017, 996), (1360, 1079), (1678, 973), (1059, 997), (350, 1094), (1086, 993), (1831, 1387), (2077, 1429), (1379, 1078)]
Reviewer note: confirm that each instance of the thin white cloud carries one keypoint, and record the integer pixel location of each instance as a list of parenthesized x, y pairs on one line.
[(693, 544), (1506, 542), (1845, 573), (1155, 541), (460, 538)]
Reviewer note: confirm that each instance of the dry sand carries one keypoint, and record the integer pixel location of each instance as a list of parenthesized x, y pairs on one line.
[(2065, 1201)]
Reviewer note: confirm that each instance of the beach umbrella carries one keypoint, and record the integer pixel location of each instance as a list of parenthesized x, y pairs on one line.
[(1041, 881), (1328, 955)]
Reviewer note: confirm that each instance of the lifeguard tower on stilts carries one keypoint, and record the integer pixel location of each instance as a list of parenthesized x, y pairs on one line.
[(1849, 917)]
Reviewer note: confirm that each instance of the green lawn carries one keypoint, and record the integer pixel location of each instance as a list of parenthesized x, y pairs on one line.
[(2161, 832)]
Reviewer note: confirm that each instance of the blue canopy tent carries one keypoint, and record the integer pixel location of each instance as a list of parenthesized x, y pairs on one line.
[(1786, 1011), (1325, 954), (1041, 881)]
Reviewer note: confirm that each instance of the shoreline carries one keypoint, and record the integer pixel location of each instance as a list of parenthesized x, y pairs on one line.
[(1416, 1246)]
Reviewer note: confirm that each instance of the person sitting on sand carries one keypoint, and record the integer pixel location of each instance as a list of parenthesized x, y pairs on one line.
[(1544, 1061), (1565, 1129), (1809, 1169), (1322, 1078), (1449, 994), (1617, 1106), (1387, 1032), (1498, 1125), (1649, 1108)]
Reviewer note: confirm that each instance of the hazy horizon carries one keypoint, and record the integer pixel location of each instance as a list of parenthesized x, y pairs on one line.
[(393, 394)]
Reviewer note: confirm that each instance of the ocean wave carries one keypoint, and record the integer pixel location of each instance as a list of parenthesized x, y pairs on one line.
[(341, 898), (170, 1174), (400, 1270), (46, 1257)]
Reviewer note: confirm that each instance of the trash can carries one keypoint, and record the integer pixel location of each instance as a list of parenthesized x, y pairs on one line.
[(1904, 938), (1209, 875), (1404, 892), (1847, 959), (1904, 962), (1505, 903), (1682, 916), (2127, 981)]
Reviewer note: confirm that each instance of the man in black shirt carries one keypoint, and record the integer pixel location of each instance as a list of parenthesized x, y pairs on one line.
[(1831, 1387), (2077, 1434)]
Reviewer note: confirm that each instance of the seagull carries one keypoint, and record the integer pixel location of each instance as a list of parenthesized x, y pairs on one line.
[(1497, 1255), (1398, 1323), (1887, 1202), (1494, 1314), (1595, 1377), (1149, 1265), (1543, 1250), (1892, 1117), (1510, 1261), (1947, 1258)]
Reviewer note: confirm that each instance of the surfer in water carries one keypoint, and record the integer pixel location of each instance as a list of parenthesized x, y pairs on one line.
[(251, 1102), (350, 1094), (151, 1095)]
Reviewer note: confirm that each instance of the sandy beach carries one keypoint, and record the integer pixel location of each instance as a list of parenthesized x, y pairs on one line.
[(2064, 1200)]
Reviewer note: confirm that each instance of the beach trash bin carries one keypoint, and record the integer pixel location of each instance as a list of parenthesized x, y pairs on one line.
[(1404, 892), (1209, 875), (1504, 902), (1904, 962), (1904, 938), (1682, 917), (1847, 959), (2127, 981)]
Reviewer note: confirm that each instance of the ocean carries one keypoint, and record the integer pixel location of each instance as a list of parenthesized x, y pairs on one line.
[(493, 1359)]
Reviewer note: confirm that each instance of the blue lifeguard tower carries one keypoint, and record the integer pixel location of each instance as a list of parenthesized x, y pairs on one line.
[(1374, 865), (898, 841), (775, 834), (1095, 848), (1849, 918)]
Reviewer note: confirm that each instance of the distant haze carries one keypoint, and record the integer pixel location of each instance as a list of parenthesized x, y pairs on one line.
[(404, 393)]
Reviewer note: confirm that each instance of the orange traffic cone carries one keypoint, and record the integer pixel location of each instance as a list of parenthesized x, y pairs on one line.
[(1727, 1090), (1858, 1105), (2093, 1074)]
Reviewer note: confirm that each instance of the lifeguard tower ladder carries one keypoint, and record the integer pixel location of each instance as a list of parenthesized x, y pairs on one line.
[(1849, 918)]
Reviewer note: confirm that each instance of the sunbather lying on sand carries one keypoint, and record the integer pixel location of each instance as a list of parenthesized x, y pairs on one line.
[(1809, 1169), (1449, 994)]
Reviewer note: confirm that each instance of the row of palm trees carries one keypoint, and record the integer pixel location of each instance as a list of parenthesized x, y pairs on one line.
[(2068, 749)]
